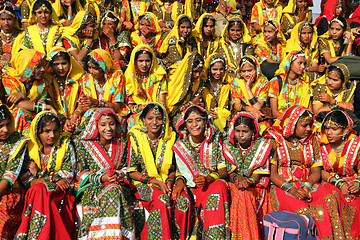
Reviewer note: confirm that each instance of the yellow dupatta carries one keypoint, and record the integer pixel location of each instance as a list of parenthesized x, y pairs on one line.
[(225, 39), (174, 10), (59, 10), (189, 8), (294, 43), (174, 36), (23, 64), (284, 68), (155, 28), (182, 70), (35, 146), (197, 32), (144, 149), (220, 110), (73, 77), (157, 72), (291, 9)]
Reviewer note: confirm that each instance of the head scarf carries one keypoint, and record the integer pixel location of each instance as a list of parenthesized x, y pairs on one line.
[(155, 28), (197, 32), (349, 124), (107, 16), (104, 59), (285, 64), (9, 9), (181, 80), (294, 43), (212, 59), (91, 130), (245, 36), (291, 7), (230, 5), (59, 9), (231, 131), (167, 140), (189, 9), (280, 36), (156, 72), (32, 19), (35, 146), (23, 64), (181, 124), (328, 11), (174, 36)]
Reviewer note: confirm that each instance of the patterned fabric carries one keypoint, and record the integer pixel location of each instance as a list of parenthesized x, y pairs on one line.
[(131, 13), (327, 45), (167, 17), (260, 14), (289, 18)]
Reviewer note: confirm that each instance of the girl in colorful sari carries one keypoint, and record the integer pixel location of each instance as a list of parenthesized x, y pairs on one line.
[(148, 32), (78, 38), (194, 9), (145, 80), (290, 86), (13, 147), (10, 29), (333, 45), (304, 38), (216, 90), (43, 31), (245, 149), (340, 155), (295, 169), (184, 86), (270, 45), (250, 91), (66, 11), (263, 11), (167, 12), (178, 42), (235, 43), (331, 9), (101, 157), (201, 169), (26, 87), (207, 41), (102, 86), (64, 75), (113, 40), (295, 12), (334, 90), (151, 164), (131, 10), (49, 211)]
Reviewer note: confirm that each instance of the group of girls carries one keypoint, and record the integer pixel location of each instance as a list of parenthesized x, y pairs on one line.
[(153, 120)]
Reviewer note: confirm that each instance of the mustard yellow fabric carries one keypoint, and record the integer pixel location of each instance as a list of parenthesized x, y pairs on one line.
[(59, 10)]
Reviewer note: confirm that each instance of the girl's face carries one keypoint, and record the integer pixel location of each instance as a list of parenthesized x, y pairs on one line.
[(195, 124), (217, 71), (96, 71), (196, 73), (7, 22), (334, 133), (336, 31), (50, 134), (301, 4), (306, 35), (143, 63), (43, 16), (197, 4), (269, 33), (145, 27), (153, 122), (298, 66), (333, 81), (303, 128), (5, 129), (185, 29), (208, 28), (243, 134), (248, 72), (339, 8), (106, 127), (109, 24), (60, 67), (39, 70), (235, 33)]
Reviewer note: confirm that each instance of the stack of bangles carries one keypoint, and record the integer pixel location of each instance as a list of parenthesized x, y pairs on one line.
[(286, 186), (215, 175), (306, 184), (146, 179), (357, 181), (87, 46), (253, 100), (232, 178), (334, 106), (337, 182), (243, 108), (168, 24), (38, 107), (171, 178), (103, 104), (69, 17)]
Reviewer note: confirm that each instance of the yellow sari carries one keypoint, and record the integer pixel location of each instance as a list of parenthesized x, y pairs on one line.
[(190, 10), (60, 11), (155, 29), (289, 18), (140, 145)]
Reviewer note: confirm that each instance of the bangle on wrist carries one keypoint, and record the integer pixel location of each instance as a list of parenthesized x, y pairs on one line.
[(253, 101), (232, 178), (252, 180), (286, 186), (306, 184), (69, 17), (87, 46), (328, 179), (242, 108), (215, 175)]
